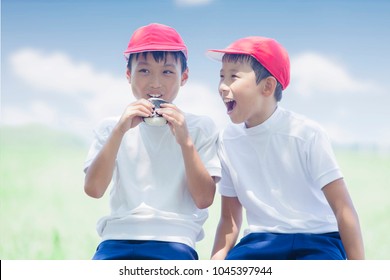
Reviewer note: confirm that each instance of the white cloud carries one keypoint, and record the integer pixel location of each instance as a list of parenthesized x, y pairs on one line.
[(38, 111), (95, 93), (199, 99), (57, 72), (313, 72), (338, 134), (192, 2), (12, 115)]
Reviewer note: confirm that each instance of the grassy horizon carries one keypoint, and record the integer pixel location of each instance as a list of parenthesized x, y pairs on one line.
[(45, 214)]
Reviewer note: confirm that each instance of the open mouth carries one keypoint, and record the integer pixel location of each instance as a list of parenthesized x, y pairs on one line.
[(155, 95), (230, 105)]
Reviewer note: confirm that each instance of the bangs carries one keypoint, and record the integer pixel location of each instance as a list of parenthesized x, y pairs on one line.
[(234, 58), (159, 56), (260, 71)]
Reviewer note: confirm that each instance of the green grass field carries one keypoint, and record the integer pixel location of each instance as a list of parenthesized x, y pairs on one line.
[(45, 214)]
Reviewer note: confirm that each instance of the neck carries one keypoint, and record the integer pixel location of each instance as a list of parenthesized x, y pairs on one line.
[(264, 115)]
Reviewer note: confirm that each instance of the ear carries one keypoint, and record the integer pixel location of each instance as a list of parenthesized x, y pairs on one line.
[(269, 86), (128, 75), (184, 77)]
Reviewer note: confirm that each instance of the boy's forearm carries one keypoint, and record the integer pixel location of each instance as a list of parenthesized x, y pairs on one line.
[(220, 248), (351, 236), (99, 173), (201, 185), (225, 239), (347, 218), (228, 228)]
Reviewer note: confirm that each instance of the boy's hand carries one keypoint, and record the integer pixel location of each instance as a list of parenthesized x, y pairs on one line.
[(176, 122), (134, 114)]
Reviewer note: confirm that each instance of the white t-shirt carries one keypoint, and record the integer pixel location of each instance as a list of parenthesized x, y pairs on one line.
[(277, 170), (149, 197)]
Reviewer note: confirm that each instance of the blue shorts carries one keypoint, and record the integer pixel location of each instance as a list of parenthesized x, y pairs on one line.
[(282, 246), (143, 250)]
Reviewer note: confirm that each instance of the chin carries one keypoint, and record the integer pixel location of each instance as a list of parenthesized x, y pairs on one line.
[(236, 120)]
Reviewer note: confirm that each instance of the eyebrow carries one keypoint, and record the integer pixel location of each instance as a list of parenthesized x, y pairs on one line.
[(144, 63), (229, 70), (170, 64)]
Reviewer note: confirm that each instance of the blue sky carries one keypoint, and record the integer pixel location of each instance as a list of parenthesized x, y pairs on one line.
[(62, 61)]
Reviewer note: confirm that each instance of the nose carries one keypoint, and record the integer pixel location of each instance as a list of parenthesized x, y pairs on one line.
[(223, 90), (155, 81)]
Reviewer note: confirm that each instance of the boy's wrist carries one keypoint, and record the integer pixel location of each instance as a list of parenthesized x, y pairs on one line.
[(118, 131), (188, 144)]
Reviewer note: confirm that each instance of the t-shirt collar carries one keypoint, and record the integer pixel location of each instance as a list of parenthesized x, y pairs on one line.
[(267, 124)]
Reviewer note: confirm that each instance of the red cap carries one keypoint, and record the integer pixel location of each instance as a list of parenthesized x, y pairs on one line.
[(266, 51), (155, 37)]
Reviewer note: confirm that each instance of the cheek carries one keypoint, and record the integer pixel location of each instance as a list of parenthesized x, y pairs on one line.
[(248, 86), (140, 81), (247, 98), (243, 91), (172, 84), (137, 87)]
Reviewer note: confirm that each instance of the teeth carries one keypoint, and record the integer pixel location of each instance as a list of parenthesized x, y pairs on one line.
[(155, 95), (228, 101)]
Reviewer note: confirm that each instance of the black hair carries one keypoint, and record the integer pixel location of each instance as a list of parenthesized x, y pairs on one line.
[(260, 71), (160, 56)]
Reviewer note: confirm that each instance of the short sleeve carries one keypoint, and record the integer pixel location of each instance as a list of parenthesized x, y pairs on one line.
[(322, 163), (206, 144), (101, 134), (225, 186)]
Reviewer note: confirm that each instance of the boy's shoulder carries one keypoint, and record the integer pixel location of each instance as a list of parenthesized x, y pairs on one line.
[(299, 126), (106, 125), (204, 123), (296, 120), (285, 122)]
